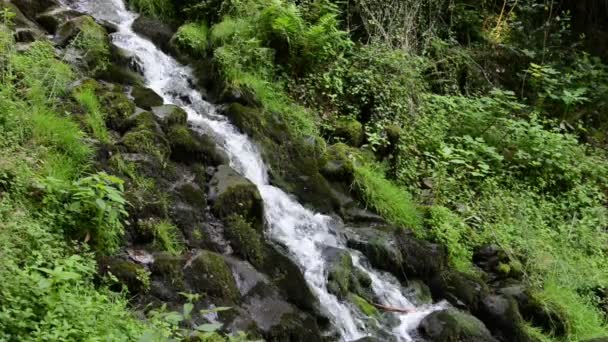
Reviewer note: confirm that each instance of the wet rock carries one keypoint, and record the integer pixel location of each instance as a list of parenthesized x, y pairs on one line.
[(188, 146), (146, 98), (380, 248), (52, 19), (421, 259), (286, 275), (452, 325), (27, 35), (145, 137), (154, 29), (497, 264), (31, 8), (135, 277), (501, 315), (232, 194), (209, 273), (364, 306), (339, 271), (350, 131), (462, 290), (171, 115), (169, 269)]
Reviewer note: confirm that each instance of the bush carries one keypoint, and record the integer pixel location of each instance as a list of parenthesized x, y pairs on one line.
[(193, 38)]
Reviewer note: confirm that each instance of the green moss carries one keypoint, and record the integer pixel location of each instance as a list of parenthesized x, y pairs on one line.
[(240, 199), (117, 107), (350, 131), (245, 240), (339, 165), (213, 276), (176, 116), (144, 141), (91, 39), (340, 275), (170, 268), (135, 277), (363, 305), (146, 98)]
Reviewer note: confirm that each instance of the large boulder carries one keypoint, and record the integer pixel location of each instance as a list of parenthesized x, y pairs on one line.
[(52, 19), (350, 131), (233, 194), (133, 276), (452, 325), (188, 146), (342, 277), (25, 29), (31, 8), (462, 290), (146, 98), (209, 273), (154, 29)]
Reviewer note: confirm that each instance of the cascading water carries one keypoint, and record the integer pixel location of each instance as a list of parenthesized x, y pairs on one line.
[(306, 234)]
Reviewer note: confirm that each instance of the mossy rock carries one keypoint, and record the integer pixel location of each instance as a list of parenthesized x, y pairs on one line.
[(339, 271), (170, 269), (340, 163), (363, 305), (233, 194), (192, 194), (461, 289), (189, 147), (170, 115), (117, 107), (145, 141), (52, 19), (146, 98), (350, 131), (90, 48), (246, 241), (380, 247), (211, 275), (452, 325), (135, 277)]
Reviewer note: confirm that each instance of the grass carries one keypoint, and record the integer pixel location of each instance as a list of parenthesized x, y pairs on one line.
[(94, 118), (388, 199), (162, 9)]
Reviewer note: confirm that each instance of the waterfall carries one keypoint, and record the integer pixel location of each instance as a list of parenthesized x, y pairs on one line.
[(305, 233)]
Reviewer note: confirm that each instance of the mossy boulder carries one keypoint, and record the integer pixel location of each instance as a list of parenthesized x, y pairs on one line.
[(170, 115), (462, 290), (501, 315), (117, 108), (339, 271), (379, 246), (146, 98), (170, 269), (350, 131), (340, 163), (145, 141), (188, 146), (90, 48), (210, 274), (135, 277), (452, 325), (233, 194), (421, 259), (246, 241)]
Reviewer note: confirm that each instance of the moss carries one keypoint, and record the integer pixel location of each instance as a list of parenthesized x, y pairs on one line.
[(135, 277), (170, 268), (176, 116), (339, 276), (117, 107), (233, 194), (212, 276), (350, 131), (145, 141), (146, 98), (244, 239), (339, 164), (193, 195), (189, 147), (363, 305)]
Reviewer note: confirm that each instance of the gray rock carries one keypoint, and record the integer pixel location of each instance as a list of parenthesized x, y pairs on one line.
[(52, 19), (157, 31), (146, 98), (31, 8)]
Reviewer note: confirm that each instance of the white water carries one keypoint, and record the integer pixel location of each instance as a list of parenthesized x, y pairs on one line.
[(303, 232)]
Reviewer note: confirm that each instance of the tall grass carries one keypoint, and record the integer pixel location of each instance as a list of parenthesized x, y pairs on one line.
[(389, 200), (94, 118)]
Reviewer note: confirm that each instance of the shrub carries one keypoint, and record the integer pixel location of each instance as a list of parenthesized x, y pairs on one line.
[(193, 37)]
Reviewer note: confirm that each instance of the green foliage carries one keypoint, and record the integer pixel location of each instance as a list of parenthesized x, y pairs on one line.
[(94, 118), (451, 231), (92, 205), (193, 37), (392, 202), (163, 9), (166, 236), (93, 41)]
